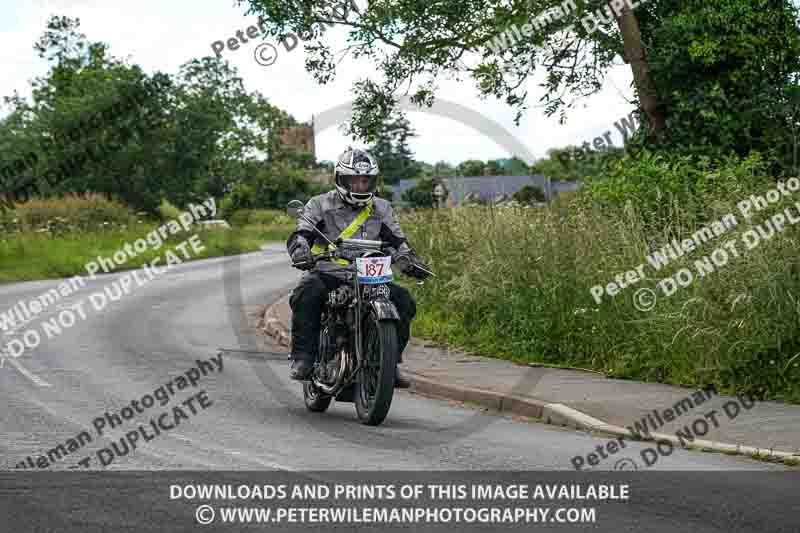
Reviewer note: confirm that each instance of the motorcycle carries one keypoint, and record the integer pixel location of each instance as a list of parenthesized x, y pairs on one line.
[(358, 343)]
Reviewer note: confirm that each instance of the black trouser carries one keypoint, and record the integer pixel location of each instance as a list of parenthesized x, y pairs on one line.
[(306, 303)]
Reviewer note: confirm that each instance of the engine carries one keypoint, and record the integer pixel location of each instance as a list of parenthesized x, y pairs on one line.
[(340, 297)]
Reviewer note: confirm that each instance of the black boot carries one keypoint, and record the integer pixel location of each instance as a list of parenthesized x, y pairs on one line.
[(400, 379), (301, 369)]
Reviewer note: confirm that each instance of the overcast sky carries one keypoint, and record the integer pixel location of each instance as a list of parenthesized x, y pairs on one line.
[(163, 34)]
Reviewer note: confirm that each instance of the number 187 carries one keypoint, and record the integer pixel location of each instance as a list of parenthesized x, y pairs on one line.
[(374, 269)]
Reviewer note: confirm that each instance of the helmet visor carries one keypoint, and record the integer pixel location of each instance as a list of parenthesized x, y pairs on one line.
[(357, 185)]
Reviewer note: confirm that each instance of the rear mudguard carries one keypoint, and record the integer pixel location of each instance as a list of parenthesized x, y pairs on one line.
[(384, 309)]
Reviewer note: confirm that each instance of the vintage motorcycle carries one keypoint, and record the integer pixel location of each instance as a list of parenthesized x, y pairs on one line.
[(358, 344)]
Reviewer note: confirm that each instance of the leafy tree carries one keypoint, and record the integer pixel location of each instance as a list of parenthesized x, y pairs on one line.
[(95, 123), (494, 167), (415, 43), (573, 163), (441, 169), (421, 194), (444, 169), (723, 71), (471, 167), (391, 148), (270, 186), (699, 67), (515, 167), (507, 167), (305, 160)]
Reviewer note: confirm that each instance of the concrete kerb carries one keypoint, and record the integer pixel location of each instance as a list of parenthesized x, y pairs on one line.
[(272, 324), (549, 413)]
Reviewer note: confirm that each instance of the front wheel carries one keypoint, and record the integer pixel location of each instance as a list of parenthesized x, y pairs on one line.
[(375, 386)]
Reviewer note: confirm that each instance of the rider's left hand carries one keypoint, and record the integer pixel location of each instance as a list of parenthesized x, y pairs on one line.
[(406, 263), (418, 272)]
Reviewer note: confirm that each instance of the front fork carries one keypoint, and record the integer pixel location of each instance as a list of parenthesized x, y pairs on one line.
[(358, 317)]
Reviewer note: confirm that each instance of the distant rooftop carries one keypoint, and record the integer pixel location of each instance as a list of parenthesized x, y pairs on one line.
[(487, 187)]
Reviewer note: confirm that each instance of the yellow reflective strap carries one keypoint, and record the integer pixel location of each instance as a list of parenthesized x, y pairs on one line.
[(357, 222), (317, 249), (346, 233)]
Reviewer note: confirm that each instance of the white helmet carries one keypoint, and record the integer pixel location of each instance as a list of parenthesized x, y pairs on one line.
[(355, 163)]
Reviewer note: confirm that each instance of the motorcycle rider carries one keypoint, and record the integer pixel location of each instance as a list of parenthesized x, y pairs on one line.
[(356, 176)]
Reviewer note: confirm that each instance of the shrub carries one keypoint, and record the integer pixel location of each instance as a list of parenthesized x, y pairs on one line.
[(656, 183), (167, 211), (71, 212), (421, 194), (529, 195)]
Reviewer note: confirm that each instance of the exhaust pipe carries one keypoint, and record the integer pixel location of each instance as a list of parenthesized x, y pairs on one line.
[(334, 389)]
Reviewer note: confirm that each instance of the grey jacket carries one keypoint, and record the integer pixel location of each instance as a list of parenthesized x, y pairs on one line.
[(331, 216)]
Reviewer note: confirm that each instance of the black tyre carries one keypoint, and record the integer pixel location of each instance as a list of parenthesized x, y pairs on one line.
[(375, 386), (315, 400)]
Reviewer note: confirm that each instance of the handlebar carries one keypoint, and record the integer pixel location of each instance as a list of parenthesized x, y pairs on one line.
[(349, 244), (314, 260), (357, 244)]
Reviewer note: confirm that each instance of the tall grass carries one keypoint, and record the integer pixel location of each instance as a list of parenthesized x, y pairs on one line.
[(516, 283)]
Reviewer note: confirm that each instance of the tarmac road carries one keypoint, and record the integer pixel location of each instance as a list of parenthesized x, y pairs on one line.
[(253, 417)]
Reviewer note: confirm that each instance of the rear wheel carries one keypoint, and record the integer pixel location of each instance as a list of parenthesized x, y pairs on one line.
[(375, 386)]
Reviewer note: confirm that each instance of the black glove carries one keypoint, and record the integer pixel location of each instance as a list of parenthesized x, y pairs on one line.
[(301, 256), (406, 262), (418, 272)]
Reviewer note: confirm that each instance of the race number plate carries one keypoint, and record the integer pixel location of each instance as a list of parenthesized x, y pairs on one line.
[(372, 270)]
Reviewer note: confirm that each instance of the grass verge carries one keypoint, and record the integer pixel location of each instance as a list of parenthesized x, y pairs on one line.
[(28, 256)]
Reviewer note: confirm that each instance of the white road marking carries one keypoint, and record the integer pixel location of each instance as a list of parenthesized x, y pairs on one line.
[(69, 303), (200, 445), (25, 372)]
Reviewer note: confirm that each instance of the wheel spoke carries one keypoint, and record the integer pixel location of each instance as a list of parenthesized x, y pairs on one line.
[(372, 369)]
